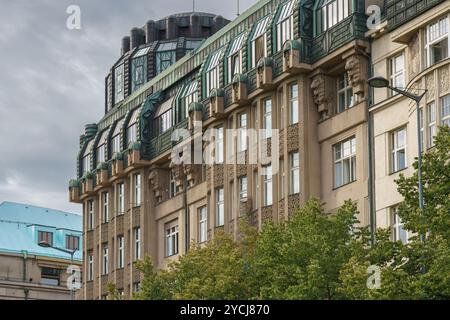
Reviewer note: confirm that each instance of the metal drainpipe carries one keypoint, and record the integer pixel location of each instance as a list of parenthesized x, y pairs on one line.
[(186, 216), (371, 155), (24, 276)]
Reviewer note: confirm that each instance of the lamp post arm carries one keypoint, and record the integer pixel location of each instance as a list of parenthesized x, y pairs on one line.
[(414, 97)]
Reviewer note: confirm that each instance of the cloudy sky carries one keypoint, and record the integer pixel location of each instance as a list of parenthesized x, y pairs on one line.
[(51, 84)]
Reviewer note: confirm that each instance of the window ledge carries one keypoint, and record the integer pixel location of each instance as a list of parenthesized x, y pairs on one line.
[(344, 185)]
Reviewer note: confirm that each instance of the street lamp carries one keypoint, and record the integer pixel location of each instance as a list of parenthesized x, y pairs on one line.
[(380, 82), (45, 244)]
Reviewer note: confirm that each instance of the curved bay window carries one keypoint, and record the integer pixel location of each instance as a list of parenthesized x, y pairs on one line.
[(234, 58), (139, 69), (331, 12), (258, 41), (165, 56), (285, 24)]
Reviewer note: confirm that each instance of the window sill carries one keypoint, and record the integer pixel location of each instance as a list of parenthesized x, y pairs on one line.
[(167, 257), (344, 185), (397, 171)]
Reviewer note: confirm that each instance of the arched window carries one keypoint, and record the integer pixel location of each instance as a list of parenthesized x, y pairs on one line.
[(331, 12), (285, 24)]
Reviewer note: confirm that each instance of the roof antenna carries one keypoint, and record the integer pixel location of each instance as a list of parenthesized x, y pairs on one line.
[(238, 9), (193, 5)]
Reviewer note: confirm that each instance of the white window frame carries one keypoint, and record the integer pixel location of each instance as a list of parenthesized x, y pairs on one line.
[(259, 36), (398, 227), (268, 185), (137, 243), (333, 12), (132, 133), (172, 241), (120, 198), (243, 188), (120, 252), (242, 136), (137, 185), (397, 149), (343, 158), (220, 207), (115, 144), (86, 163), (202, 224), (105, 261), (445, 110), (90, 273), (294, 164), (219, 145), (431, 123), (397, 72), (344, 91), (100, 154), (294, 110), (105, 206), (267, 118), (435, 33), (90, 215)]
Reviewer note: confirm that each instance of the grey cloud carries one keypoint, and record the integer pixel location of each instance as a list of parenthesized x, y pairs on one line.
[(51, 84)]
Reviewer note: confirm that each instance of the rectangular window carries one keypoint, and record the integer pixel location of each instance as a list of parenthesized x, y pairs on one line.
[(86, 163), (45, 237), (72, 242), (445, 111), (345, 93), (344, 162), (105, 206), (137, 244), (398, 231), (268, 190), (332, 13), (219, 146), (105, 264), (202, 225), (120, 252), (235, 58), (120, 199), (258, 41), (213, 72), (397, 72), (171, 241), (165, 56), (163, 122), (119, 83), (189, 96), (174, 189), (255, 189), (281, 175), (242, 146), (90, 205), (136, 287), (137, 189), (267, 121), (90, 273), (398, 144), (131, 134), (220, 209), (243, 188), (116, 144), (295, 172), (293, 103), (436, 41), (101, 154), (50, 276), (431, 115)]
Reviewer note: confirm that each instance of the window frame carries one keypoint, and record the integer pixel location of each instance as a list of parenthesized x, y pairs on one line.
[(202, 213), (243, 188), (220, 207), (45, 236), (294, 173), (72, 242), (347, 88), (267, 118), (137, 188), (105, 260), (431, 123), (394, 75), (120, 199), (351, 158), (172, 240), (90, 271), (396, 149), (268, 185), (445, 107), (91, 218), (294, 108), (441, 37), (105, 206), (137, 243), (120, 252)]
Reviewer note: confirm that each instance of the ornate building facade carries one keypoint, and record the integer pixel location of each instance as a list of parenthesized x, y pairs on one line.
[(296, 69)]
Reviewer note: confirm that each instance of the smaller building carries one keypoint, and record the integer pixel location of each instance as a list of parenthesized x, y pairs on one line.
[(29, 271)]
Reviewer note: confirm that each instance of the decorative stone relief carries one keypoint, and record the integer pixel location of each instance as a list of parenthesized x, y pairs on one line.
[(293, 203), (356, 67), (218, 175), (322, 97), (156, 183), (267, 214), (414, 67), (429, 80), (444, 80), (293, 138)]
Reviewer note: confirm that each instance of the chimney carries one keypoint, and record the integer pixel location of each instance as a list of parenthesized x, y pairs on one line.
[(150, 31), (125, 45), (137, 37), (196, 28), (171, 27)]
